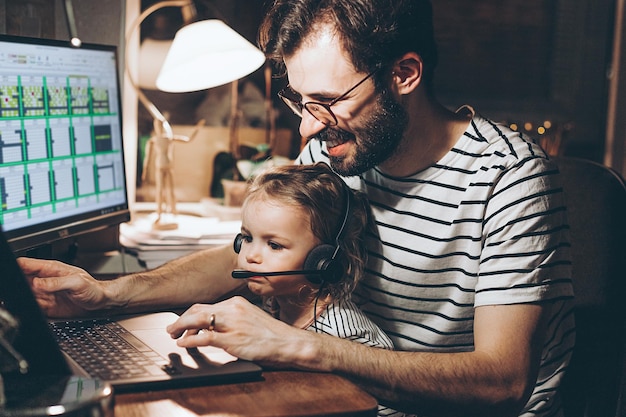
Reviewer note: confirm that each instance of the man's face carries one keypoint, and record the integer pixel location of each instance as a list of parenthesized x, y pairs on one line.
[(374, 141), (370, 125)]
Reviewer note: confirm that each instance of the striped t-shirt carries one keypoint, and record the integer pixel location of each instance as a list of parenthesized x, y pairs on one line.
[(345, 320), (486, 225)]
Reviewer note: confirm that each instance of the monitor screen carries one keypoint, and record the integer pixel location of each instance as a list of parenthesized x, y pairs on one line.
[(61, 154)]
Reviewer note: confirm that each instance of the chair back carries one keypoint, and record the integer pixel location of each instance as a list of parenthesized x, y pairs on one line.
[(596, 205)]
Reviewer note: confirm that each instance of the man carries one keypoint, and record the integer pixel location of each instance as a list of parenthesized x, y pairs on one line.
[(469, 272)]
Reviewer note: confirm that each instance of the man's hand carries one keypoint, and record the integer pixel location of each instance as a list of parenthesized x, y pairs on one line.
[(240, 328), (63, 290)]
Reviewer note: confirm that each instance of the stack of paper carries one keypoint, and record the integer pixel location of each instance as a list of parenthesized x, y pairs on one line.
[(155, 247)]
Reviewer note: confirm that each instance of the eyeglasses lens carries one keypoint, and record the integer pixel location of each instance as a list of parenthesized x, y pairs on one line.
[(320, 111)]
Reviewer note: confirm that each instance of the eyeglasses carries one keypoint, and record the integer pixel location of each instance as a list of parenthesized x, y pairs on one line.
[(321, 111)]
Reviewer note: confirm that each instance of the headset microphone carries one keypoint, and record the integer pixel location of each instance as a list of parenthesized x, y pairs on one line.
[(243, 274), (319, 266)]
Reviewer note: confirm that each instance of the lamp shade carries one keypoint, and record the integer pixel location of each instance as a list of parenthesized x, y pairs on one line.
[(207, 54)]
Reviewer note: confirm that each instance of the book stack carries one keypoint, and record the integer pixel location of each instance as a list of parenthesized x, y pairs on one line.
[(156, 247)]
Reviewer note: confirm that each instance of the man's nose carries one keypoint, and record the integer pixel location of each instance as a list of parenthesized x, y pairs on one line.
[(309, 125)]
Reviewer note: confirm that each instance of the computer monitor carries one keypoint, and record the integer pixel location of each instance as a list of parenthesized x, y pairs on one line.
[(61, 153)]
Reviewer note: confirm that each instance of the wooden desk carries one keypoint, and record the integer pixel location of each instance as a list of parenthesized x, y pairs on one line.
[(280, 393)]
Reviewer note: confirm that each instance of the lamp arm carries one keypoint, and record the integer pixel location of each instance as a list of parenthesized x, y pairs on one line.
[(152, 109), (154, 112)]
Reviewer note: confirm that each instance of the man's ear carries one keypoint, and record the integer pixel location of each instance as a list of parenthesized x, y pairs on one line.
[(407, 73)]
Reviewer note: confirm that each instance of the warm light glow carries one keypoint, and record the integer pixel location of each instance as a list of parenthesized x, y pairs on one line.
[(547, 124), (528, 126), (514, 126), (541, 130), (207, 54), (152, 54)]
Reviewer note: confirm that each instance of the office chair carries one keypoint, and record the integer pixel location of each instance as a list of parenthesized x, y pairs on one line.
[(596, 199)]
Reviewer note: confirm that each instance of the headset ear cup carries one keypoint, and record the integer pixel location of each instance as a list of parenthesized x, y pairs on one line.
[(238, 242), (320, 258)]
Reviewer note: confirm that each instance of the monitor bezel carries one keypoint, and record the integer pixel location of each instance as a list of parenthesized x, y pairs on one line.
[(30, 237)]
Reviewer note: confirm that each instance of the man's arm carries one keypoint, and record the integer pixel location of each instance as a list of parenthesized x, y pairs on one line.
[(494, 379), (63, 290), (199, 277)]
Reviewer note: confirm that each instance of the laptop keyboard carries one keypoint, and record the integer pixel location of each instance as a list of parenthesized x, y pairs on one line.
[(106, 350)]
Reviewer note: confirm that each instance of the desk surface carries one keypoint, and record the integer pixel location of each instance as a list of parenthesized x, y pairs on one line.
[(279, 393)]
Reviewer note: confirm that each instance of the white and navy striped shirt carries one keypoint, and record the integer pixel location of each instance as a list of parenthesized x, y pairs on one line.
[(486, 225), (345, 320)]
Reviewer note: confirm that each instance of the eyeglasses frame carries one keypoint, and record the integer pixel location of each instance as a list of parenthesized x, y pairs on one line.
[(298, 106)]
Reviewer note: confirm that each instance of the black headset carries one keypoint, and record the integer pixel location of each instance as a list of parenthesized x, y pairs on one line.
[(321, 264)]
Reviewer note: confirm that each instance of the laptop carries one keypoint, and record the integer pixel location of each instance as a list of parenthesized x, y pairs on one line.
[(39, 341)]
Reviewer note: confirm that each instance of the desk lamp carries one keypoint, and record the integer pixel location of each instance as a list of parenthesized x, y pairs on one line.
[(203, 54)]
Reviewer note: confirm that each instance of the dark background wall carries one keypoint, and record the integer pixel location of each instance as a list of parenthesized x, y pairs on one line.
[(528, 61), (100, 21), (518, 61)]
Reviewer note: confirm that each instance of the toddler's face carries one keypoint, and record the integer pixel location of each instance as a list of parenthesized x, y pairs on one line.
[(276, 237)]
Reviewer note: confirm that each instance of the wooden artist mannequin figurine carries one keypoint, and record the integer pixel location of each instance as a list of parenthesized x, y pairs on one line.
[(162, 146)]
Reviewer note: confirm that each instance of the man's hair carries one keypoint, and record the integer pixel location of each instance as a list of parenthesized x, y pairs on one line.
[(322, 194), (374, 33)]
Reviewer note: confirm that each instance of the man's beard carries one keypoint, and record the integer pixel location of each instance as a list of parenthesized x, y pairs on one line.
[(376, 140)]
